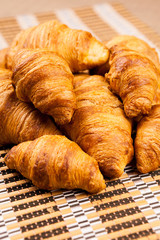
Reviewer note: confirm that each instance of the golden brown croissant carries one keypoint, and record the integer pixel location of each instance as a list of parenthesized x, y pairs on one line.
[(147, 141), (133, 74), (19, 121), (123, 42), (79, 48), (3, 56), (53, 162), (44, 78), (133, 43), (99, 125)]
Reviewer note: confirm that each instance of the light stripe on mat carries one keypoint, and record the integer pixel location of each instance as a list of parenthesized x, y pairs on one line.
[(95, 23), (109, 15), (26, 21), (70, 18), (141, 26)]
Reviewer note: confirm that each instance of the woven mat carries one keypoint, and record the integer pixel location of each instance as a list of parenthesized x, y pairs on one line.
[(129, 208)]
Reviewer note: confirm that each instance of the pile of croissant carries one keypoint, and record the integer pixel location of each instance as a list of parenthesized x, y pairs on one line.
[(70, 103)]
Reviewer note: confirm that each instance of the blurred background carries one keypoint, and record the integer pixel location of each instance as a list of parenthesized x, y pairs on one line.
[(146, 10)]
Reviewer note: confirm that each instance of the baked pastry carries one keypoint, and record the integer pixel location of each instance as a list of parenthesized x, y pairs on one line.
[(53, 162), (132, 76), (44, 78), (99, 125), (124, 42), (147, 141), (20, 121), (3, 56), (79, 48)]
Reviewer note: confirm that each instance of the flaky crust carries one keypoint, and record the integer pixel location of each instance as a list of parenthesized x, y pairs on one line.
[(133, 74), (134, 44), (45, 79), (79, 48), (3, 56), (147, 142), (53, 162), (20, 121), (100, 126), (131, 43)]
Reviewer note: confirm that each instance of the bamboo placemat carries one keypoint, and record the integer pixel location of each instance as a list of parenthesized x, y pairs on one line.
[(129, 208)]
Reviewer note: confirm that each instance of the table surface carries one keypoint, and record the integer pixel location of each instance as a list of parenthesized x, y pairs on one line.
[(129, 207), (145, 10)]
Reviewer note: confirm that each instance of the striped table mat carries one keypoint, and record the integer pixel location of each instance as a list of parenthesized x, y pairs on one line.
[(129, 208)]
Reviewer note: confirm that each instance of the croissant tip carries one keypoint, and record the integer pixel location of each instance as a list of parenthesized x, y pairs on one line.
[(140, 106), (113, 172), (143, 168), (99, 186), (97, 53)]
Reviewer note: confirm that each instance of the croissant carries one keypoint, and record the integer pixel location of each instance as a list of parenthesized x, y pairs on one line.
[(19, 121), (127, 42), (53, 162), (44, 78), (133, 76), (3, 56), (147, 141), (99, 125), (79, 48)]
